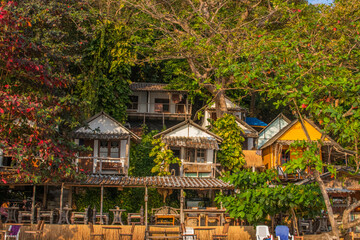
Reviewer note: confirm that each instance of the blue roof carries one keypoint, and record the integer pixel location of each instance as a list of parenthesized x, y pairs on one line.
[(255, 122)]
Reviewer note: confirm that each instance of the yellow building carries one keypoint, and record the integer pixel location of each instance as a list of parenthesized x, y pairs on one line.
[(275, 153)]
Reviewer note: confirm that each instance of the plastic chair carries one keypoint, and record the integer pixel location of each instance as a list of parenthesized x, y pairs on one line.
[(14, 232), (187, 233), (282, 233), (262, 231)]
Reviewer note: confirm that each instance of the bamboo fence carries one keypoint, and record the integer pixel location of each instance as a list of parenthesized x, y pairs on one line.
[(82, 232)]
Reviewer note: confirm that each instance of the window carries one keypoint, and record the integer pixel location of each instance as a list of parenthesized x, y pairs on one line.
[(195, 155), (134, 102), (162, 105), (285, 156), (109, 149), (200, 155)]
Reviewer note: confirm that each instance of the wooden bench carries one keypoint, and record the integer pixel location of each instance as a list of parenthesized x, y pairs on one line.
[(163, 232)]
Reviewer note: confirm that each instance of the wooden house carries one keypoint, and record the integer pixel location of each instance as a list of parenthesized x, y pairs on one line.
[(250, 134), (195, 146), (275, 153), (157, 101), (232, 108), (109, 144)]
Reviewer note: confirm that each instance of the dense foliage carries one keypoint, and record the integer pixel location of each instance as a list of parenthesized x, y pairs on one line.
[(230, 155), (105, 83), (140, 161), (36, 110), (163, 157), (259, 195)]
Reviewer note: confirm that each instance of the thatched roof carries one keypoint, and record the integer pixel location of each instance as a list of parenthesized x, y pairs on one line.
[(253, 158)]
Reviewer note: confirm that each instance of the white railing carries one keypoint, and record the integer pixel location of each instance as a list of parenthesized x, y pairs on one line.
[(165, 108)]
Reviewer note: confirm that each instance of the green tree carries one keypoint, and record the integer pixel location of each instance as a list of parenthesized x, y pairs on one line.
[(258, 195), (230, 156), (140, 161), (34, 92), (163, 157), (105, 84), (210, 37)]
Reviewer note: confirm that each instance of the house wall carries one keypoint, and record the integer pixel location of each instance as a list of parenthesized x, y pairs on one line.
[(270, 159), (142, 104), (267, 155), (189, 131), (297, 133), (271, 131), (146, 101)]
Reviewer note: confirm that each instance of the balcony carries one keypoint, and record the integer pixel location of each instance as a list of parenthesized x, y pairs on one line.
[(101, 165), (159, 110), (200, 168)]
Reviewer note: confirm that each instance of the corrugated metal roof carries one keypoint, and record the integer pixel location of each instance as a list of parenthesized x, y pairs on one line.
[(155, 181), (192, 142), (174, 182), (255, 122), (141, 86), (339, 190)]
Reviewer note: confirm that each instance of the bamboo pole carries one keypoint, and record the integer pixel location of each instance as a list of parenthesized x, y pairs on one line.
[(33, 205), (146, 206), (182, 206), (70, 197), (101, 204), (61, 203)]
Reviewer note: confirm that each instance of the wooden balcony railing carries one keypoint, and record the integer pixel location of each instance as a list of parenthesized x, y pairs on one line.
[(193, 167), (101, 165)]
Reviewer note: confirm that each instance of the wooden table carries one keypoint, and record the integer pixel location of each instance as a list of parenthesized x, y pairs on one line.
[(117, 215), (162, 219), (207, 211), (64, 215), (11, 214), (210, 229), (118, 228)]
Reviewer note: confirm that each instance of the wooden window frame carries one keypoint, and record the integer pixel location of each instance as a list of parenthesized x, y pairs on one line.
[(109, 148), (196, 151)]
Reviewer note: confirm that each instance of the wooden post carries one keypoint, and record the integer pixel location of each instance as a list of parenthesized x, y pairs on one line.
[(146, 206), (61, 202), (101, 204), (45, 196), (222, 214), (70, 197), (182, 206), (33, 205)]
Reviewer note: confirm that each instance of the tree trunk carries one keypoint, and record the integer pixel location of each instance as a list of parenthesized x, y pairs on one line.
[(295, 223), (220, 103), (333, 223)]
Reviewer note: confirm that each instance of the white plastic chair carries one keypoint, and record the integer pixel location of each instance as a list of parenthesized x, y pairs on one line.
[(14, 232), (262, 231)]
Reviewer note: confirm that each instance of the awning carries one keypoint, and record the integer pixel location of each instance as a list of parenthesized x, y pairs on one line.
[(192, 142), (172, 182)]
